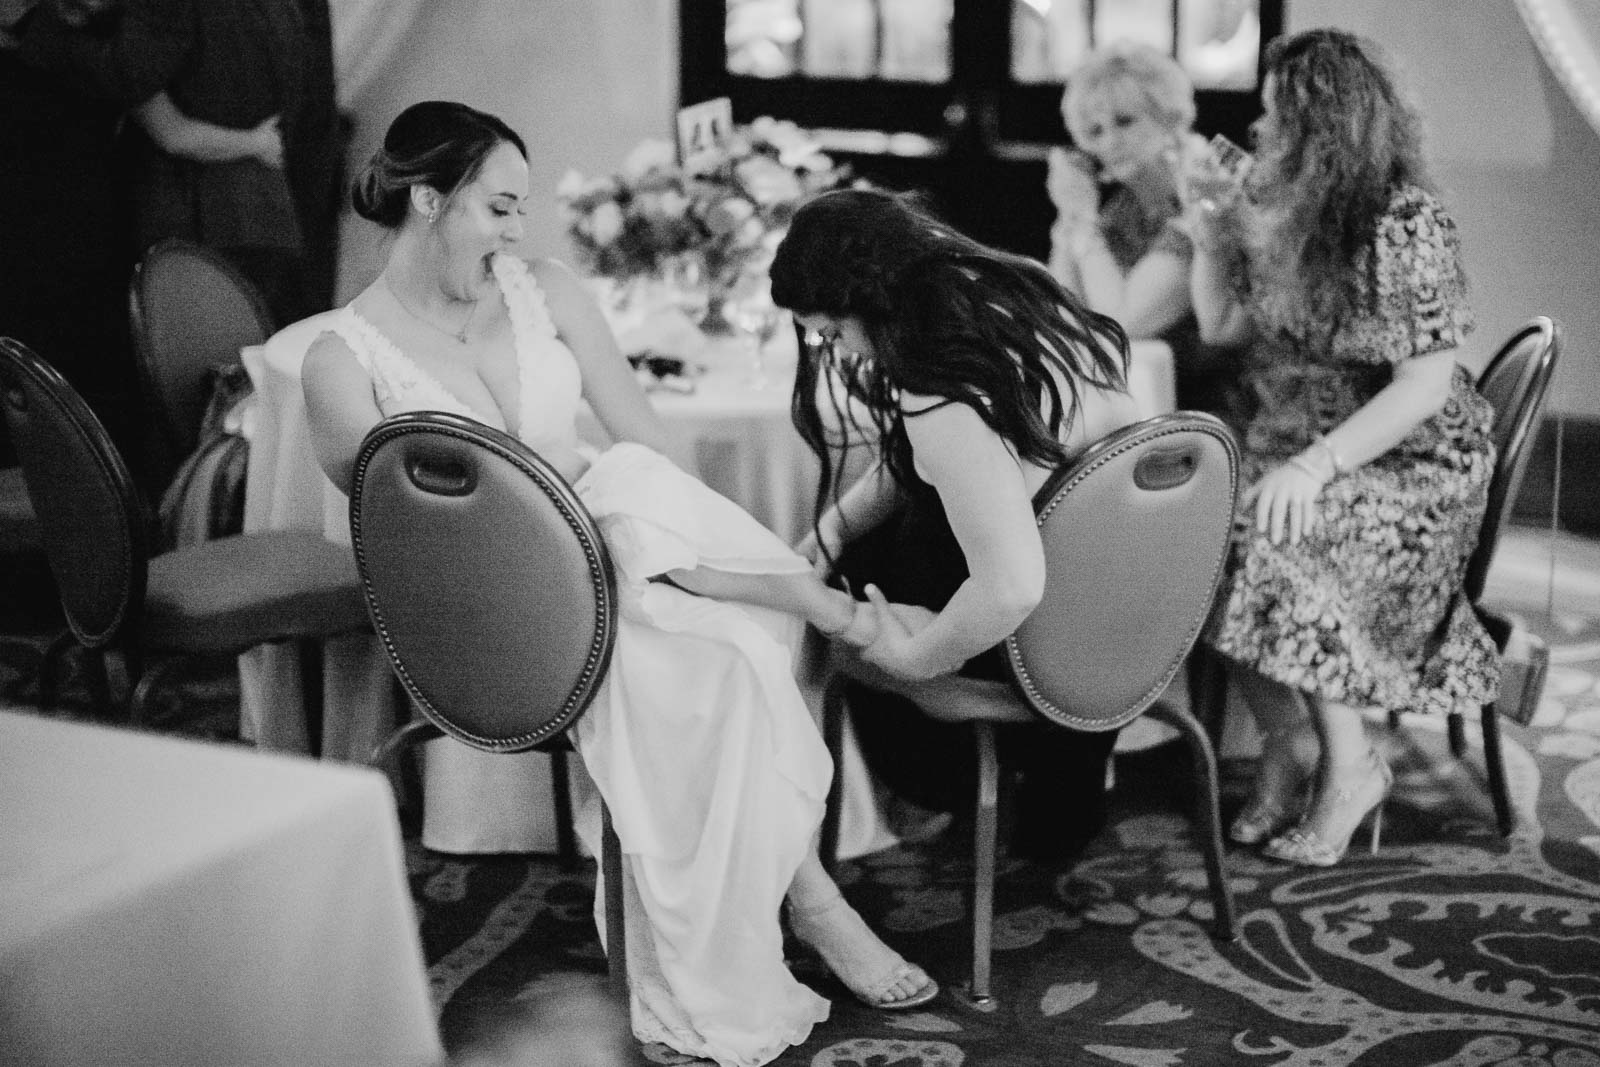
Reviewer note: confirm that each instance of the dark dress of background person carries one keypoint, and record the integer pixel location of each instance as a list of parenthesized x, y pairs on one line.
[(233, 64), (314, 161), (1205, 377), (64, 235), (1060, 798)]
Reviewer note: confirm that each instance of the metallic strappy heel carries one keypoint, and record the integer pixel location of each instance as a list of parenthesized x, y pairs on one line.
[(1309, 847), (1288, 760)]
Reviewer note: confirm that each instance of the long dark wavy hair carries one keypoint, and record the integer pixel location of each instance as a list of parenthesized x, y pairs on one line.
[(947, 317), (1338, 143)]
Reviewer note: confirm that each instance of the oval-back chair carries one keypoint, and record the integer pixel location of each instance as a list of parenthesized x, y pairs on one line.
[(1135, 532), (491, 588), (192, 310), (219, 597)]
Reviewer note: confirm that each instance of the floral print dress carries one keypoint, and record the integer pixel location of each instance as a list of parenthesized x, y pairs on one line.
[(1367, 610)]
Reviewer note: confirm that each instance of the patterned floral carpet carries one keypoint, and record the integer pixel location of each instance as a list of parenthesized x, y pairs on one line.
[(1452, 946)]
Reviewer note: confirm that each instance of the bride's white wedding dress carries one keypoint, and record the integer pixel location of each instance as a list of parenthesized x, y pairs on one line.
[(699, 740)]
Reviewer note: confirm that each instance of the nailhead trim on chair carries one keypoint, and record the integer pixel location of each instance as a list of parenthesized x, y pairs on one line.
[(1087, 465), (576, 515)]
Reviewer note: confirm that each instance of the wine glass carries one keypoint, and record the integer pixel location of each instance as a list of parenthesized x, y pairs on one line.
[(750, 310), (688, 288)]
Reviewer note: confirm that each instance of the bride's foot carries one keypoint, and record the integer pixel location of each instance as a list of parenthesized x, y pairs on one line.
[(1351, 795), (877, 974), (1288, 758)]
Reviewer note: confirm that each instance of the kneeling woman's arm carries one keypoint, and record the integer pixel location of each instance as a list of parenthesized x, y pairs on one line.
[(990, 511)]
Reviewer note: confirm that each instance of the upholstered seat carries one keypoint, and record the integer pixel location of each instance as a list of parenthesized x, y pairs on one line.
[(237, 592), (218, 597)]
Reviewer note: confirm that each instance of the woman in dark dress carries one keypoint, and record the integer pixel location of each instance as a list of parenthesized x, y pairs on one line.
[(975, 374)]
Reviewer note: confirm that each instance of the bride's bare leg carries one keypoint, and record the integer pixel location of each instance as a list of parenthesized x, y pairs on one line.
[(878, 975), (830, 610)]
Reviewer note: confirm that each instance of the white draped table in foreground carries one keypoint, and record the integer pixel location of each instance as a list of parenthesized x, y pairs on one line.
[(173, 902), (747, 449)]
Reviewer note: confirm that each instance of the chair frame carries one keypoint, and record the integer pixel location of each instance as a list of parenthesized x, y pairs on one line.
[(1033, 702), (1540, 339), (548, 736), (119, 631), (176, 436)]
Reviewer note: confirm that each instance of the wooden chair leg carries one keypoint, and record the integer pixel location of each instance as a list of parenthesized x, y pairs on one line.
[(1494, 764), (985, 835), (833, 713), (311, 695), (616, 919), (561, 795), (1207, 816)]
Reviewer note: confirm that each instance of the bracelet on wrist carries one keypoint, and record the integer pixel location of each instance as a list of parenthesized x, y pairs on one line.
[(1333, 456), (1304, 465)]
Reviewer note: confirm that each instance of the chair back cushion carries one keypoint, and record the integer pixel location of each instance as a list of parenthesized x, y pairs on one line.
[(90, 516), (1135, 533), (1515, 382), (485, 576), (192, 310)]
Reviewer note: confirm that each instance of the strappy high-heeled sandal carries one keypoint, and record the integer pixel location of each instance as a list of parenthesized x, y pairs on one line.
[(875, 991), (1287, 765), (1364, 797)]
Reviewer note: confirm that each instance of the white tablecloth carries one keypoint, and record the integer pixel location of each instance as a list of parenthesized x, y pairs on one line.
[(178, 903), (747, 449)]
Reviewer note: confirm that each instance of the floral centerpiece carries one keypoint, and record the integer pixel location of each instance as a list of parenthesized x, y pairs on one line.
[(731, 215)]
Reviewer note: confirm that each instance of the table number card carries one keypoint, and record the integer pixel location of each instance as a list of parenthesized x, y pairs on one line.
[(703, 132)]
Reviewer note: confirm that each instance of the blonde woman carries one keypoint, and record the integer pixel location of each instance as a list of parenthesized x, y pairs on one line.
[(1118, 239)]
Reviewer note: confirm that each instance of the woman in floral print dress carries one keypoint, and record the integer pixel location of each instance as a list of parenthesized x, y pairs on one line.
[(1368, 460)]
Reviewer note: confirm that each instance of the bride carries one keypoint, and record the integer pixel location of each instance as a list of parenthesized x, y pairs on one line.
[(699, 741)]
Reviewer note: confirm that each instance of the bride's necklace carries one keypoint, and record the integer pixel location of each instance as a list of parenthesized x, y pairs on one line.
[(460, 336)]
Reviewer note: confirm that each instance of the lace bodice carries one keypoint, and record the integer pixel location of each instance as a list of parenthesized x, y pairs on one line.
[(549, 385)]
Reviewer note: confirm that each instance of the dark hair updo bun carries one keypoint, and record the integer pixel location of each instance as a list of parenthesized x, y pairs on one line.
[(437, 143)]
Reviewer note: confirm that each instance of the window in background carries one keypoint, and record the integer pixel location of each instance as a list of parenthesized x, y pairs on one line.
[(958, 98), (891, 40), (1216, 41)]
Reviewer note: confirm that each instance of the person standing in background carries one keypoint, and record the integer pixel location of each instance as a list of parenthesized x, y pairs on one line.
[(233, 66), (64, 217)]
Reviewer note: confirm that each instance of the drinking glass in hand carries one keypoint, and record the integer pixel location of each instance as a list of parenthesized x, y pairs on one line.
[(1216, 177)]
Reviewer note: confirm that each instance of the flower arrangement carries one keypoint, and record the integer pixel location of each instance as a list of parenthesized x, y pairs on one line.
[(732, 215)]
